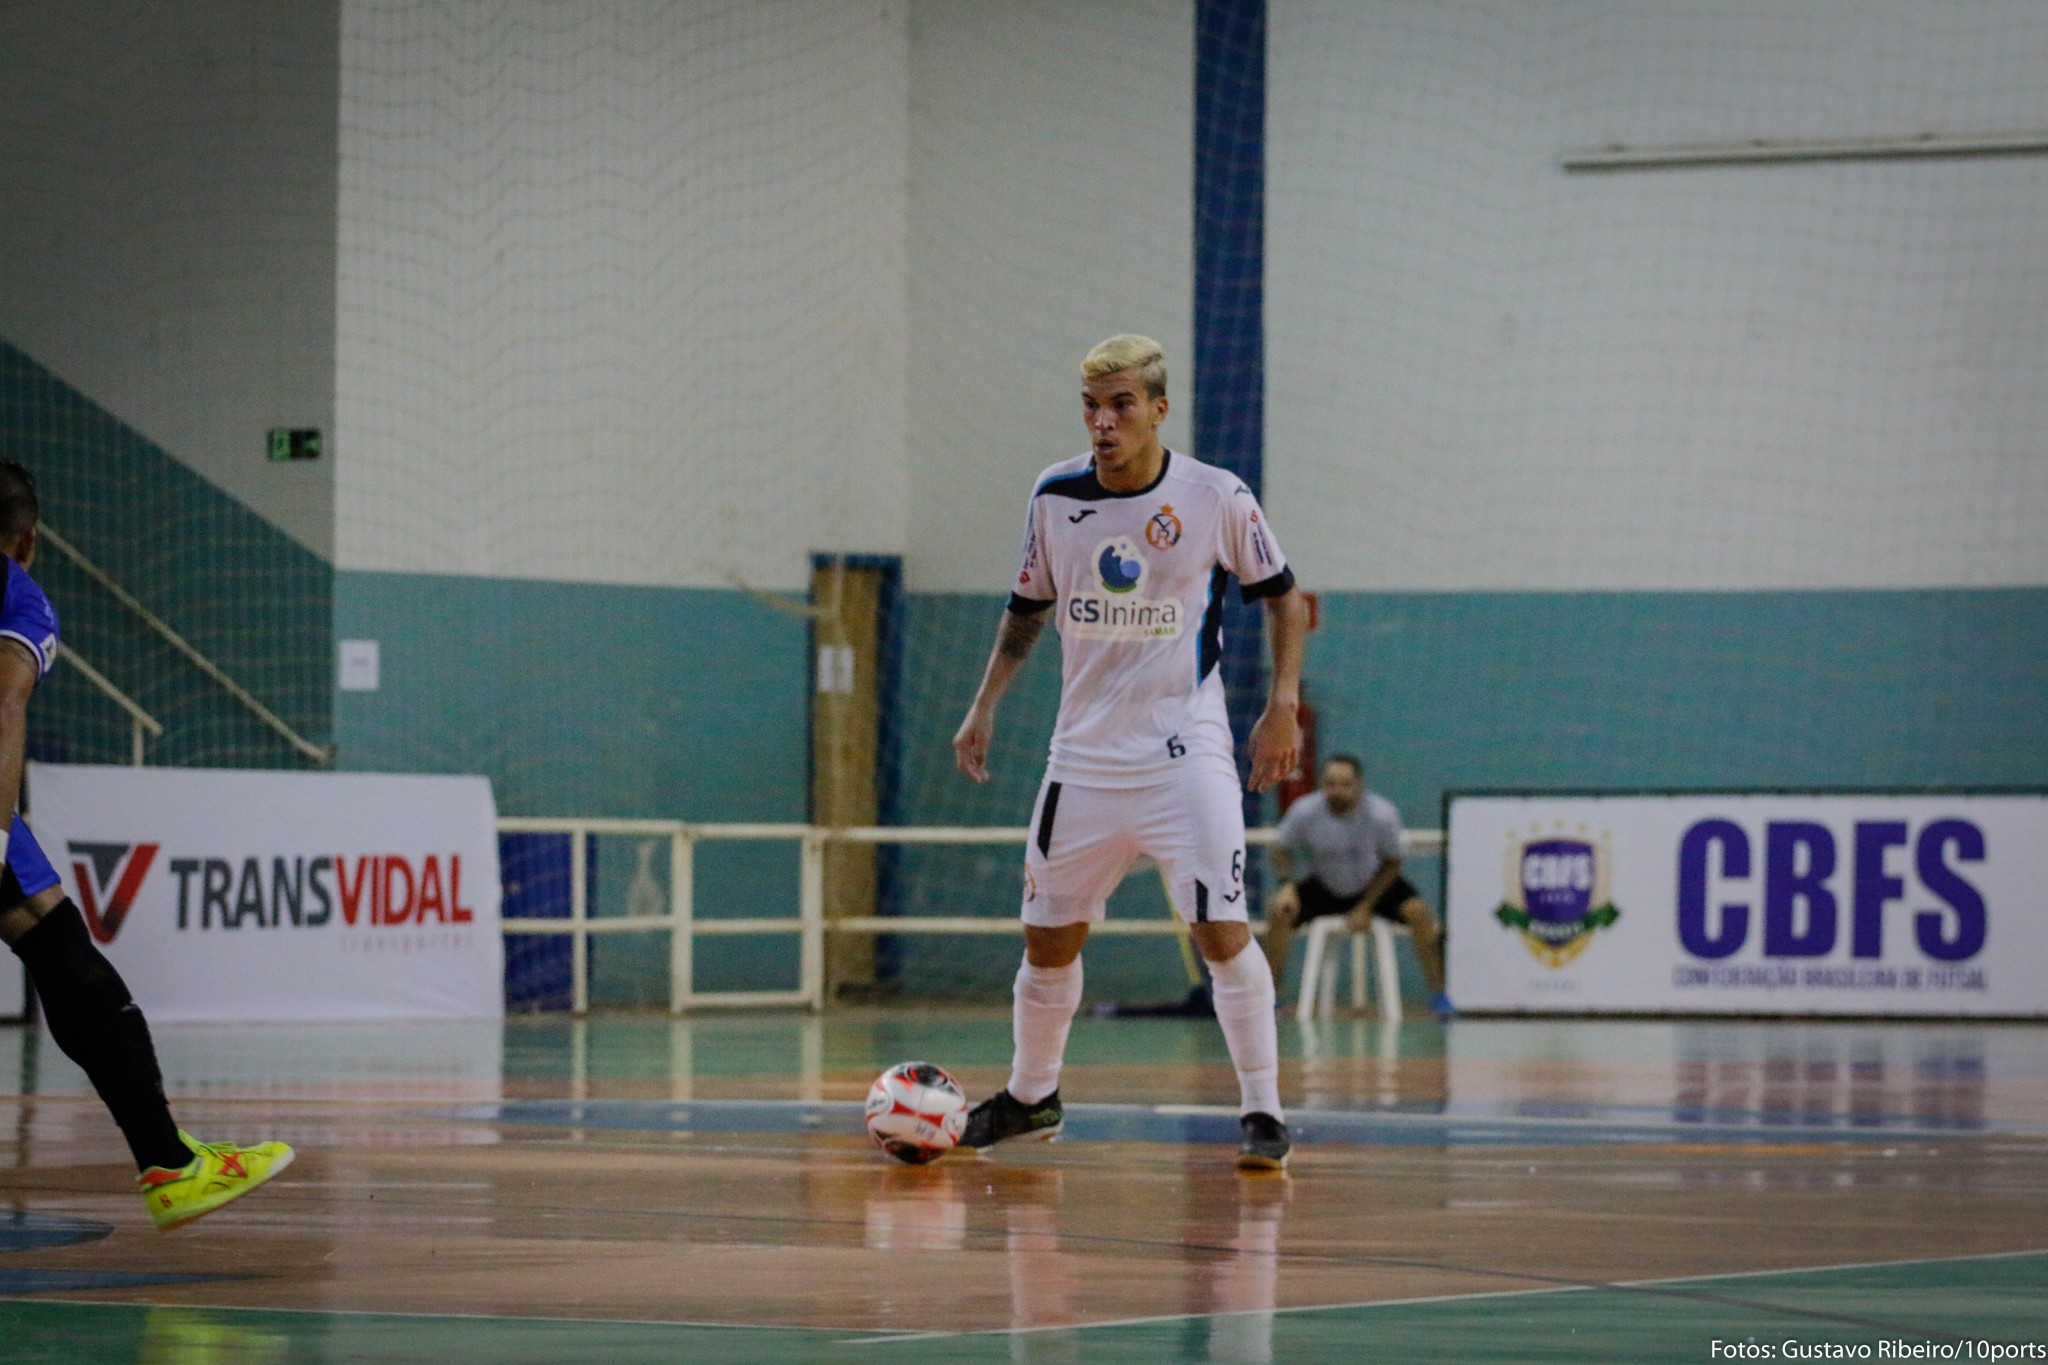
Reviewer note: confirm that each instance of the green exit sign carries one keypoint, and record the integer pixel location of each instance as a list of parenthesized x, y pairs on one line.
[(295, 443)]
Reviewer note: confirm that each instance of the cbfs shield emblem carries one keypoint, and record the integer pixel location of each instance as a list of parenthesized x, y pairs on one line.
[(1557, 894)]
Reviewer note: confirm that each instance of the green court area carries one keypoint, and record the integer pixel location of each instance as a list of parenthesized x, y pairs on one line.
[(1893, 1310)]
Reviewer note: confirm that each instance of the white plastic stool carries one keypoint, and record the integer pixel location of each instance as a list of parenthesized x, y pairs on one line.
[(1319, 971)]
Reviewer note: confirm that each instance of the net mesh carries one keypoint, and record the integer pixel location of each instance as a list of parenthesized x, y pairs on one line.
[(1522, 377), (1657, 478), (1664, 477), (242, 593)]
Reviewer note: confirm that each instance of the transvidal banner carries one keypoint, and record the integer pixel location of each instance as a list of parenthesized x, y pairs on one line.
[(279, 896), (1749, 904)]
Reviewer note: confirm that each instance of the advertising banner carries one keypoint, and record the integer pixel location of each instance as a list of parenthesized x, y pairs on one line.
[(277, 896), (1749, 904)]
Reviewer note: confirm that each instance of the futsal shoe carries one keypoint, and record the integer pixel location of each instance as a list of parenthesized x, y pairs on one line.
[(1001, 1117), (1265, 1144), (1440, 1005), (217, 1173)]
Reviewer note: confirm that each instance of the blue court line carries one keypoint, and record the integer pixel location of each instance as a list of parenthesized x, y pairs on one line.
[(28, 1280), (1204, 1124), (38, 1231)]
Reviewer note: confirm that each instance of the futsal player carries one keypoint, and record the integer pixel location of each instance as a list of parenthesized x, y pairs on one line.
[(85, 1003), (1348, 843), (1129, 549)]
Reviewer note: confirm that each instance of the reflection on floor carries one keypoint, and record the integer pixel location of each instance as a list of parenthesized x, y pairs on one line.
[(637, 1187)]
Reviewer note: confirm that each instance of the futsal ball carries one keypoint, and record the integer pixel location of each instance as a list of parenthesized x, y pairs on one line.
[(916, 1112)]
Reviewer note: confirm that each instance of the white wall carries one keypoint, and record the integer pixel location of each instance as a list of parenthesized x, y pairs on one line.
[(1051, 205), (1486, 373), (167, 227), (675, 294), (622, 288)]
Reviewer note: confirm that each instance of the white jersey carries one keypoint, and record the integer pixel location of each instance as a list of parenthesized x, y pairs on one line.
[(1137, 580)]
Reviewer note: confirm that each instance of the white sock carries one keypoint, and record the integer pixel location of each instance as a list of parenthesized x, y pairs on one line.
[(1043, 1004), (1244, 1006)]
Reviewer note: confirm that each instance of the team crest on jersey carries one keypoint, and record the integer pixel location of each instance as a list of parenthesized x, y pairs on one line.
[(1163, 531), (1557, 894)]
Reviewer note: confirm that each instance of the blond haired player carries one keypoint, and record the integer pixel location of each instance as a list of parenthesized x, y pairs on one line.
[(1129, 548)]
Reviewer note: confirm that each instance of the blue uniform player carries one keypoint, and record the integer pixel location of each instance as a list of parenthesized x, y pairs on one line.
[(26, 619), (85, 1003)]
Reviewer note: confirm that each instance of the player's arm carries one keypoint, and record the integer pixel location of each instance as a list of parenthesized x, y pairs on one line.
[(1283, 862), (1276, 738), (18, 676), (1282, 859), (1386, 845), (1015, 636), (1381, 880)]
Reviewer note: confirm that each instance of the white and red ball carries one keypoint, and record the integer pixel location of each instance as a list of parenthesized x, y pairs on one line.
[(916, 1112)]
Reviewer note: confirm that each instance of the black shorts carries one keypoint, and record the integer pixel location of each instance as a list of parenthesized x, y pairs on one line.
[(1318, 900)]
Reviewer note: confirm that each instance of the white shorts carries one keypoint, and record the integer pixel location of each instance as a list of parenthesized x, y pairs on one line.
[(1084, 840)]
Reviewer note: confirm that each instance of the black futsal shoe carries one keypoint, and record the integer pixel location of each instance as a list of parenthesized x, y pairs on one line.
[(1001, 1117), (1265, 1144)]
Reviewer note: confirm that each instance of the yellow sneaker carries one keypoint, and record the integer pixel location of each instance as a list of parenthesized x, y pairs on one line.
[(217, 1172)]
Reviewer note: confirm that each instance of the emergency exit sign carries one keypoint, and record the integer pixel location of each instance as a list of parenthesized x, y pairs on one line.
[(295, 443)]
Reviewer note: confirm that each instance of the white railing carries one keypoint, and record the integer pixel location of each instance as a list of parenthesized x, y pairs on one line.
[(809, 923)]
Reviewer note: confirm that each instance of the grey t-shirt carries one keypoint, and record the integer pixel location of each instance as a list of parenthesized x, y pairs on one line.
[(1341, 851)]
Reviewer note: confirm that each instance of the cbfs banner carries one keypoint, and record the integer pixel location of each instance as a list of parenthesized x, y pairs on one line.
[(274, 896), (1765, 904)]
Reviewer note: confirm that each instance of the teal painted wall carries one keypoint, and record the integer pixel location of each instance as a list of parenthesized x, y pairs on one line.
[(1446, 690), (601, 700), (246, 595), (1905, 689)]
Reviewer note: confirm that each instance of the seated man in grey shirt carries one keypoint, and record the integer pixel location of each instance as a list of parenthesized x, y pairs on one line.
[(1348, 843)]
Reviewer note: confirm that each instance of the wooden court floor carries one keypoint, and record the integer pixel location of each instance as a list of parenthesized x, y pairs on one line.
[(633, 1188)]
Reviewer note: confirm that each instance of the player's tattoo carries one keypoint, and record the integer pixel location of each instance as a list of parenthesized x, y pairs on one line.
[(1017, 634)]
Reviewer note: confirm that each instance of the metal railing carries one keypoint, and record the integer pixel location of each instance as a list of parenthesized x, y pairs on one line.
[(318, 753), (810, 922), (142, 725)]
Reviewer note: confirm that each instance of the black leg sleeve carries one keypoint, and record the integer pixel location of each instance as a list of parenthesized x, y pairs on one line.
[(100, 1027)]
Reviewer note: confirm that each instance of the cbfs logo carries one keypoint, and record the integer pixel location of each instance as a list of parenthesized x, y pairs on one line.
[(1557, 894), (108, 877), (1808, 886)]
